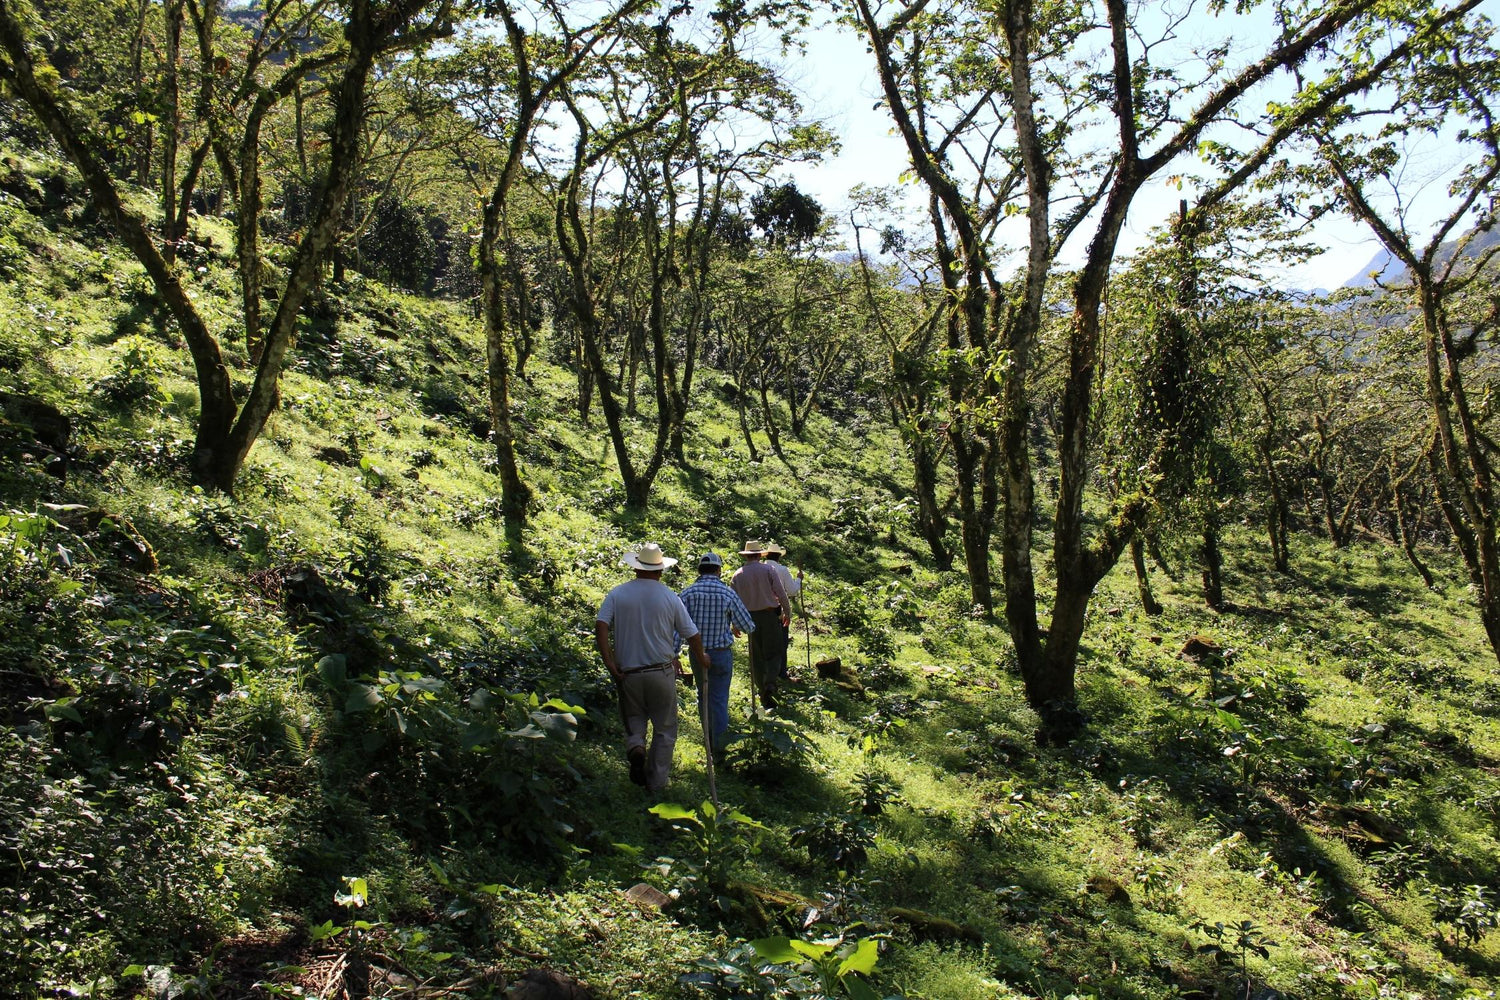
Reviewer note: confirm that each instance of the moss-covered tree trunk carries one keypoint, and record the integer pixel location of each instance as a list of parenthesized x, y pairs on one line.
[(216, 401), (1143, 577), (1466, 481), (225, 432), (515, 495), (1406, 534), (1212, 565), (931, 522), (171, 123)]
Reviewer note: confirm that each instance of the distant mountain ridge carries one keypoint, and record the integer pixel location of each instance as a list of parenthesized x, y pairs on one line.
[(1388, 270)]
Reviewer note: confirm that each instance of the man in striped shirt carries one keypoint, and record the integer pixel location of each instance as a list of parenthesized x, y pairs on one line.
[(720, 616)]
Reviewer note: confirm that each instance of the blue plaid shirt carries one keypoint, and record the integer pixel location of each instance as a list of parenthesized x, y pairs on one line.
[(713, 606)]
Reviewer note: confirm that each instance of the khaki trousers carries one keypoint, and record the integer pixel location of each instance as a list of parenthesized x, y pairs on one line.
[(650, 696)]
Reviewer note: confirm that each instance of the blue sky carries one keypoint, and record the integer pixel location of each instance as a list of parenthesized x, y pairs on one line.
[(838, 82)]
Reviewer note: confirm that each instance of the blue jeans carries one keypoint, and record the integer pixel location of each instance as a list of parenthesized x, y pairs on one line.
[(717, 698)]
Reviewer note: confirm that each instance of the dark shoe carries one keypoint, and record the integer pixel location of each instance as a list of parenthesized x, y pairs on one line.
[(638, 765)]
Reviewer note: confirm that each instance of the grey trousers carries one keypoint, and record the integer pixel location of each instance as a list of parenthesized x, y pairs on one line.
[(650, 696), (767, 651)]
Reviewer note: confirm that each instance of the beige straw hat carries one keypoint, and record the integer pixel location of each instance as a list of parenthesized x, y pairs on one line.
[(648, 558)]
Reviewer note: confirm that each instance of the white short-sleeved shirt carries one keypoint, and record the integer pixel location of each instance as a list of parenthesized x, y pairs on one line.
[(644, 616), (791, 583)]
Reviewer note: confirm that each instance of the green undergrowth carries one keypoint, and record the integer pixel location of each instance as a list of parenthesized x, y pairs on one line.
[(341, 718)]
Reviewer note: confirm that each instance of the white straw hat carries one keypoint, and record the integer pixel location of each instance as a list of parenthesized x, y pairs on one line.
[(648, 559)]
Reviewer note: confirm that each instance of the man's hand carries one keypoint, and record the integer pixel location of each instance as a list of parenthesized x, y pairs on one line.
[(606, 650), (700, 655)]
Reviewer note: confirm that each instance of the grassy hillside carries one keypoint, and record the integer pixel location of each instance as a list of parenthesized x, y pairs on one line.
[(336, 736)]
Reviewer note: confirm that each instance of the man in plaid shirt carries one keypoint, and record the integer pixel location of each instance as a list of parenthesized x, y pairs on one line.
[(720, 616)]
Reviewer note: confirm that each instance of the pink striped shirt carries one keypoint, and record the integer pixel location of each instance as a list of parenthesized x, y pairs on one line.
[(759, 586)]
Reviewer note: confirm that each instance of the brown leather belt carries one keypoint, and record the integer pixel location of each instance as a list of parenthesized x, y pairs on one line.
[(649, 666)]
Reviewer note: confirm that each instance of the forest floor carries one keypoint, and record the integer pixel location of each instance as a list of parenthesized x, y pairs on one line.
[(339, 736)]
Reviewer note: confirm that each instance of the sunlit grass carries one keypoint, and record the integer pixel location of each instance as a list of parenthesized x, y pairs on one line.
[(1352, 691)]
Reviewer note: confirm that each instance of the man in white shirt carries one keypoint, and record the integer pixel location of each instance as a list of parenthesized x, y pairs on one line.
[(635, 633)]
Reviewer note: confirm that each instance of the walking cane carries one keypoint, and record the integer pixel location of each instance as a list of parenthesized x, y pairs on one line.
[(750, 669), (806, 622), (708, 746)]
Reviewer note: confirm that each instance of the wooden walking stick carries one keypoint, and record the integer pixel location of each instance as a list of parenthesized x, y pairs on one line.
[(750, 661), (708, 742), (806, 622)]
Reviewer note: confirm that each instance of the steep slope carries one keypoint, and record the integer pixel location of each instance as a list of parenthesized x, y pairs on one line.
[(338, 734)]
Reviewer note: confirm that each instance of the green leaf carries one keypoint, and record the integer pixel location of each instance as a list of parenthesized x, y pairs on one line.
[(1230, 721), (422, 683), (526, 732), (858, 989), (812, 949), (559, 725), (131, 970), (322, 932), (777, 950), (671, 810), (63, 709), (862, 959), (358, 894), (475, 735), (362, 698), (743, 818), (334, 670)]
